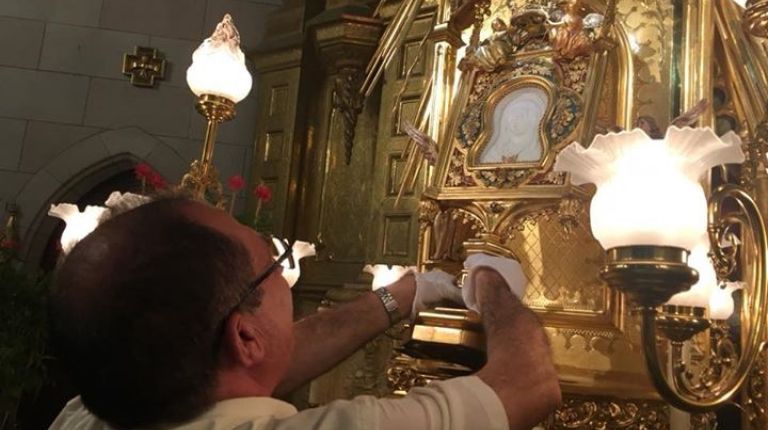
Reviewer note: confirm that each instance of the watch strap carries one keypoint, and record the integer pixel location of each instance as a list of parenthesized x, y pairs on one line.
[(390, 304)]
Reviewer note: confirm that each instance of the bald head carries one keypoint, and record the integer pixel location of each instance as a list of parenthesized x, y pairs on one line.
[(138, 310)]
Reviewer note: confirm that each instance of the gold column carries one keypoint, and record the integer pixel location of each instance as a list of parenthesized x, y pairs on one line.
[(697, 57)]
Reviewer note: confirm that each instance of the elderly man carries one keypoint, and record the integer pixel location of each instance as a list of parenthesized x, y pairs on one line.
[(173, 315)]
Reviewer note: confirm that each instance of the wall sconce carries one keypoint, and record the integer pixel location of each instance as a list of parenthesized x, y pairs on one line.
[(650, 214), (219, 79)]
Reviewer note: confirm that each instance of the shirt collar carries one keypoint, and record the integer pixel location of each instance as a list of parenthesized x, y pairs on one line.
[(251, 407)]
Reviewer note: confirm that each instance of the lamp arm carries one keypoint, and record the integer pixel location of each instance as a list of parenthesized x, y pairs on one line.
[(707, 395)]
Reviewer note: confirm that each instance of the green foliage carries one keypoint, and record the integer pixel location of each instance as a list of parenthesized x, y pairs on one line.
[(262, 222), (22, 329)]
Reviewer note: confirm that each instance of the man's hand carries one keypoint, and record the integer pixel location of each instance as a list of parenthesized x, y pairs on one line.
[(519, 366), (509, 270), (433, 287)]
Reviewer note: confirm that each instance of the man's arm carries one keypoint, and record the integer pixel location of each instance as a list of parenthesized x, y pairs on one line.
[(519, 366), (326, 338)]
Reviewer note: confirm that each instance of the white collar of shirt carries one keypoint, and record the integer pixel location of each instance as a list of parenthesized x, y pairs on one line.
[(250, 407), (76, 416)]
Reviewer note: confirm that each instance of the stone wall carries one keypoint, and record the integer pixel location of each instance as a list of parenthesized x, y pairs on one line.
[(67, 109)]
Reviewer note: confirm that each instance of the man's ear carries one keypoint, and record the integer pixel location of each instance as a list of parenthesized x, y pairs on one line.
[(243, 343)]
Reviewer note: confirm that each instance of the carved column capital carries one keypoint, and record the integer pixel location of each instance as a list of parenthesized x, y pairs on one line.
[(345, 43)]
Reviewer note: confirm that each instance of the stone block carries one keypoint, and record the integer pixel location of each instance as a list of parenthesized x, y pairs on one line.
[(131, 141), (80, 12), (168, 162), (164, 110), (76, 158), (87, 51), (45, 140), (250, 18), (188, 149), (11, 183), (44, 96), (11, 141), (20, 41), (34, 196), (181, 20), (178, 57)]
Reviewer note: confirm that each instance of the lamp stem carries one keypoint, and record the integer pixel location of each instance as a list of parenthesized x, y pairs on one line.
[(202, 179), (210, 141)]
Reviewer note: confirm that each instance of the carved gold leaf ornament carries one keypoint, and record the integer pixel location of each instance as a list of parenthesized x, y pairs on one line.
[(605, 414)]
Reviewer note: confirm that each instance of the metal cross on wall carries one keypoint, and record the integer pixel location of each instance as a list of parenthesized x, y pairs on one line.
[(144, 66)]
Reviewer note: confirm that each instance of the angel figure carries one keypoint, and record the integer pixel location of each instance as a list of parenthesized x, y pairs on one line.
[(570, 37)]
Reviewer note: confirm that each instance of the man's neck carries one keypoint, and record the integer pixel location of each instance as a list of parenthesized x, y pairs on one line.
[(234, 384)]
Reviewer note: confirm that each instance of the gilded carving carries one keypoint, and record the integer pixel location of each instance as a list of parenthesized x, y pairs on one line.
[(474, 131), (348, 101), (705, 421), (755, 150), (648, 22), (604, 414), (755, 401), (590, 337)]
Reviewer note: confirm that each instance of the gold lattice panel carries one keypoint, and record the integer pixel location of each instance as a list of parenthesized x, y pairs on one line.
[(562, 267)]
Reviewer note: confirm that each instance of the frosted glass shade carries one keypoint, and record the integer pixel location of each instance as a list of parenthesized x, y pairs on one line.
[(299, 250), (384, 275), (721, 304), (648, 191), (218, 65), (700, 293), (79, 224)]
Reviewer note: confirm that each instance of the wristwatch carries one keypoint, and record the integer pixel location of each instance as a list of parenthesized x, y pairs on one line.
[(390, 304)]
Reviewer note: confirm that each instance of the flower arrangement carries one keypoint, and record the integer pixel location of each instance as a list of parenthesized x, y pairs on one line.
[(23, 329), (149, 176)]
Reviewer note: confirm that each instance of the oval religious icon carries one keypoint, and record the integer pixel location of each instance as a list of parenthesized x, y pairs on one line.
[(516, 128)]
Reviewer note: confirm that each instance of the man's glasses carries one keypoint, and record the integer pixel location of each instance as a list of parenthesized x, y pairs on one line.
[(285, 255)]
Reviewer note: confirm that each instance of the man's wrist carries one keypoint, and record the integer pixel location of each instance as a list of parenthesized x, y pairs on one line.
[(390, 304), (488, 284)]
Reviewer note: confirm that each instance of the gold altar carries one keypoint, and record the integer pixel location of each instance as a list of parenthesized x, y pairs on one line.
[(341, 87)]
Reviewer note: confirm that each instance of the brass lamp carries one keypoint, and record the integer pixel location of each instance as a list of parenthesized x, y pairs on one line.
[(649, 212), (219, 79)]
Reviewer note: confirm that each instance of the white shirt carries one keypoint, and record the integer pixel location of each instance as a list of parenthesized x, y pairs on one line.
[(456, 404)]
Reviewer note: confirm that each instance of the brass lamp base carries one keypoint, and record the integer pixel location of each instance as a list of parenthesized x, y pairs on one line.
[(649, 275), (215, 108), (680, 323)]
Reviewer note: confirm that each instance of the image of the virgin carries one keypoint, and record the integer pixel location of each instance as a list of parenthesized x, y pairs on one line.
[(515, 130)]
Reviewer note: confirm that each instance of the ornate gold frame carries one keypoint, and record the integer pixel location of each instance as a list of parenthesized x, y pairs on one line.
[(487, 133)]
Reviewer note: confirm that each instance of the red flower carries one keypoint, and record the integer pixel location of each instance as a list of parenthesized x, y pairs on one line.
[(8, 244), (263, 193), (235, 183), (156, 180), (143, 170)]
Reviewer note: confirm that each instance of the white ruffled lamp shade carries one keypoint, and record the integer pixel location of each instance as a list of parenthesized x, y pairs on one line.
[(300, 250), (721, 304), (79, 224), (218, 65), (700, 293), (384, 274), (648, 191)]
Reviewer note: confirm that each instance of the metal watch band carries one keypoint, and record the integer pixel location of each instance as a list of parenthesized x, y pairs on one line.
[(390, 304)]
